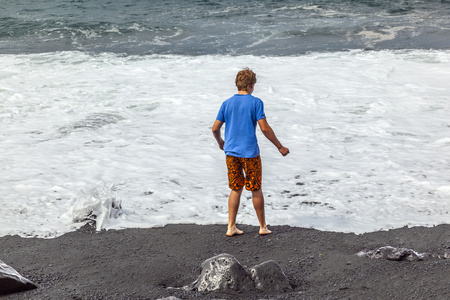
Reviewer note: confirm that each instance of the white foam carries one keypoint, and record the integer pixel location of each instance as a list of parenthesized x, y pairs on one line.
[(385, 34), (98, 204), (368, 134)]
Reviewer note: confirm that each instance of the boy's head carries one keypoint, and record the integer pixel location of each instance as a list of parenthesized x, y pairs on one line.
[(245, 79)]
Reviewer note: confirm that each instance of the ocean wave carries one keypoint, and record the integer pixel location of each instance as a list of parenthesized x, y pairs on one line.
[(227, 27)]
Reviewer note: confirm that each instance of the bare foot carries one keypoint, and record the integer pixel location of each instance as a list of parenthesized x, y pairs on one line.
[(233, 231), (264, 231)]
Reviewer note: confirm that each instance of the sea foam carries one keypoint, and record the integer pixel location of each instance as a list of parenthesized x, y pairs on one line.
[(368, 133)]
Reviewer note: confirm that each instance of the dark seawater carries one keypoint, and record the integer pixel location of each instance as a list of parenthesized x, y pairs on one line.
[(232, 27)]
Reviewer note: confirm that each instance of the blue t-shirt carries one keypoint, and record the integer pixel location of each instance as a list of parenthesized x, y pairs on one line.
[(240, 114)]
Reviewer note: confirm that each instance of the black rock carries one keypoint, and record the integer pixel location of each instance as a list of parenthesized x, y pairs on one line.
[(11, 281), (393, 253), (269, 277), (221, 273)]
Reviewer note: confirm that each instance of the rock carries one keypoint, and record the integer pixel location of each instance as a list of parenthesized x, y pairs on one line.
[(224, 273), (11, 281), (269, 277), (221, 273), (392, 253)]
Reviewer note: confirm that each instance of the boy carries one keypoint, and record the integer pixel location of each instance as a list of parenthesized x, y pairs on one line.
[(241, 113)]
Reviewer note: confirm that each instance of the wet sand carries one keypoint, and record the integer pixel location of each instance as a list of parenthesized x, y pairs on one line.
[(148, 263)]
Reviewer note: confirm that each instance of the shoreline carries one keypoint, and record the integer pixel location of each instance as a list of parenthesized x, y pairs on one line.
[(153, 263)]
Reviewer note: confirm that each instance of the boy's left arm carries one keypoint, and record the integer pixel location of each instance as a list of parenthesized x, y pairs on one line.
[(216, 132), (270, 135)]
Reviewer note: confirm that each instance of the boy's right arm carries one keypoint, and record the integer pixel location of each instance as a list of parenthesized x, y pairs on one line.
[(216, 132), (270, 135)]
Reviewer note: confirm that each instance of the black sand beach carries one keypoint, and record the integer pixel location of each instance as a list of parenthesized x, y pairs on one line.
[(145, 263)]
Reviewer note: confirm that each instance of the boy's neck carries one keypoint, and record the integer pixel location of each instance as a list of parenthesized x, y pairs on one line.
[(247, 91)]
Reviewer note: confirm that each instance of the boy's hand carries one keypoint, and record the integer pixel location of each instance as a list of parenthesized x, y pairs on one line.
[(283, 150), (221, 143)]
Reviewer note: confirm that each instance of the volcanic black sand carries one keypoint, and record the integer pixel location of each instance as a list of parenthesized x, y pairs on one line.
[(146, 263)]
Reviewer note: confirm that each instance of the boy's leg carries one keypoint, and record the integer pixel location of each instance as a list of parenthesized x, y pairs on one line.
[(253, 172), (258, 204), (233, 206), (236, 183)]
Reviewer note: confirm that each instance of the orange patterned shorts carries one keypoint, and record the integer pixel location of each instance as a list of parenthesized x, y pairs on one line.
[(236, 168)]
